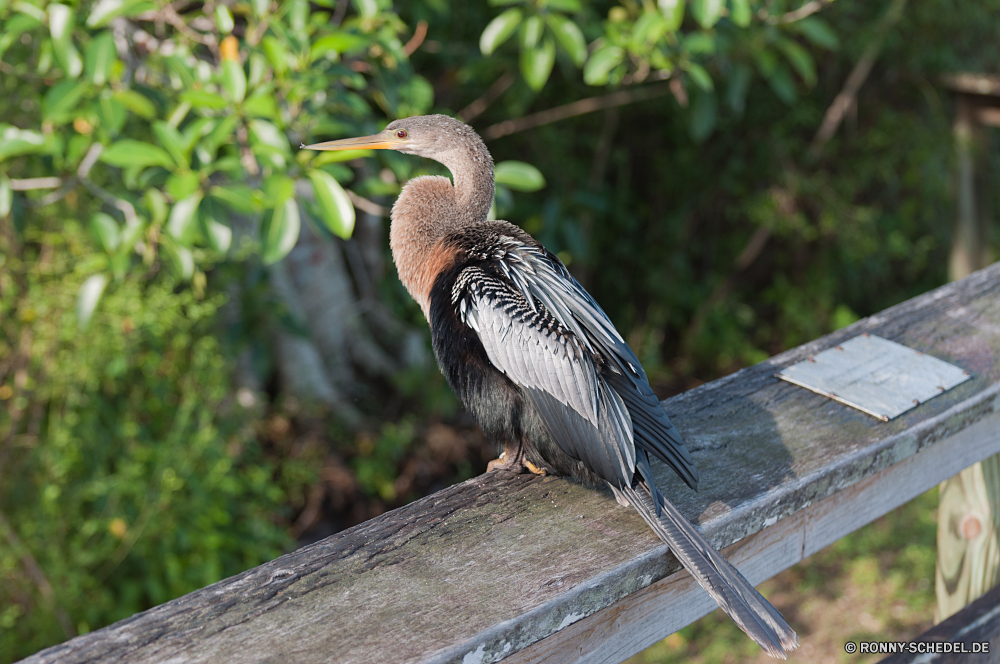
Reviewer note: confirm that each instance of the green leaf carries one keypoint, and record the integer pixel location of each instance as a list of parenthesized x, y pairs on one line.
[(15, 142), (278, 189), (88, 297), (182, 185), (204, 99), (100, 58), (647, 31), (221, 134), (817, 31), (571, 6), (237, 197), (340, 155), (234, 80), (337, 210), (531, 32), (193, 132), (156, 204), (61, 28), (277, 54), (279, 231), (182, 218), (264, 105), (416, 96), (170, 139), (570, 37), (700, 76), (704, 115), (519, 176), (29, 9), (800, 60), (181, 258), (739, 84), (740, 12), (131, 234), (706, 12), (700, 43), (128, 152), (337, 43), (600, 64), (213, 227), (673, 12), (782, 83), (105, 10), (14, 28), (223, 19), (137, 103), (536, 64), (266, 133), (61, 100), (106, 232), (6, 196), (261, 7), (297, 15), (110, 114), (366, 8), (499, 30)]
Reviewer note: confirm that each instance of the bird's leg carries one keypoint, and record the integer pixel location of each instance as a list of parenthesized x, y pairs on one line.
[(533, 468), (512, 460)]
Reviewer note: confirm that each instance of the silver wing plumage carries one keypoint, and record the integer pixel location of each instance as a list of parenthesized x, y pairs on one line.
[(548, 336)]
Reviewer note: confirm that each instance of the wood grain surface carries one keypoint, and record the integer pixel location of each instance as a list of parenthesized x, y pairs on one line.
[(502, 564)]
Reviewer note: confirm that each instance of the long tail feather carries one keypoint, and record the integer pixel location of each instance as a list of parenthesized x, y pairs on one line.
[(748, 609)]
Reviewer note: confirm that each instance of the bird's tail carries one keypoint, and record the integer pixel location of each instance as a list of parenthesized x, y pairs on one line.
[(724, 583)]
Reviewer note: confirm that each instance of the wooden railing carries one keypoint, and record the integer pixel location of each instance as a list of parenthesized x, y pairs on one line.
[(533, 569)]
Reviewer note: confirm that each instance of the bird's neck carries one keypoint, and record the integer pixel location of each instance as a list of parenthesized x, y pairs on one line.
[(429, 208), (472, 169)]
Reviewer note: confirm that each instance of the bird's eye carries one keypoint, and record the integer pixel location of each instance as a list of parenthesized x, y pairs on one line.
[(400, 133)]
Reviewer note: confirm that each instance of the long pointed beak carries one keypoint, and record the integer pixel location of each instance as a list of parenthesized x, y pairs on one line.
[(380, 141)]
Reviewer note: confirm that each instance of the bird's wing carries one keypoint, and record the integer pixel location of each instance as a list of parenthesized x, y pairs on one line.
[(540, 327), (548, 335), (584, 416)]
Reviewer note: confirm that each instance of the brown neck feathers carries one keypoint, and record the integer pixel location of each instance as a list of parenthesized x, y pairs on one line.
[(423, 214)]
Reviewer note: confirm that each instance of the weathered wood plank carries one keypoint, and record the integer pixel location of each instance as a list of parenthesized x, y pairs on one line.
[(485, 569), (641, 619)]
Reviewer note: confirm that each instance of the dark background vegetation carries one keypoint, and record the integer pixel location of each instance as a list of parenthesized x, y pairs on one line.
[(206, 417)]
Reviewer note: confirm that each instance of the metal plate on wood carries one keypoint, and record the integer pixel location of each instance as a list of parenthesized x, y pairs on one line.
[(875, 375)]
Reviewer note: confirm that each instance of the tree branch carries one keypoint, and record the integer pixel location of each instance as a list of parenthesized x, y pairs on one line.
[(64, 185), (807, 9), (417, 39), (492, 93), (849, 94), (366, 205), (28, 184), (579, 107)]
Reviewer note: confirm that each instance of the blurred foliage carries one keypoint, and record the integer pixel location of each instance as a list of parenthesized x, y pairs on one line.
[(130, 475), (700, 220)]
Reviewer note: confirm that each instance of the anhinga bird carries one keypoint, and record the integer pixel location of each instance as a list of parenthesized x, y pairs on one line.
[(536, 361)]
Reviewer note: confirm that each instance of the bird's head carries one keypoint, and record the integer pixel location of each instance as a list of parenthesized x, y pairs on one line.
[(431, 136)]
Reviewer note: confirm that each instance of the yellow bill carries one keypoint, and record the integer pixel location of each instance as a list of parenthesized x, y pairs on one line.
[(384, 140)]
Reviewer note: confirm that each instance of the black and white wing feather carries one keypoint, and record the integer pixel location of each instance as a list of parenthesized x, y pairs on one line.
[(556, 372), (541, 328), (547, 334)]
